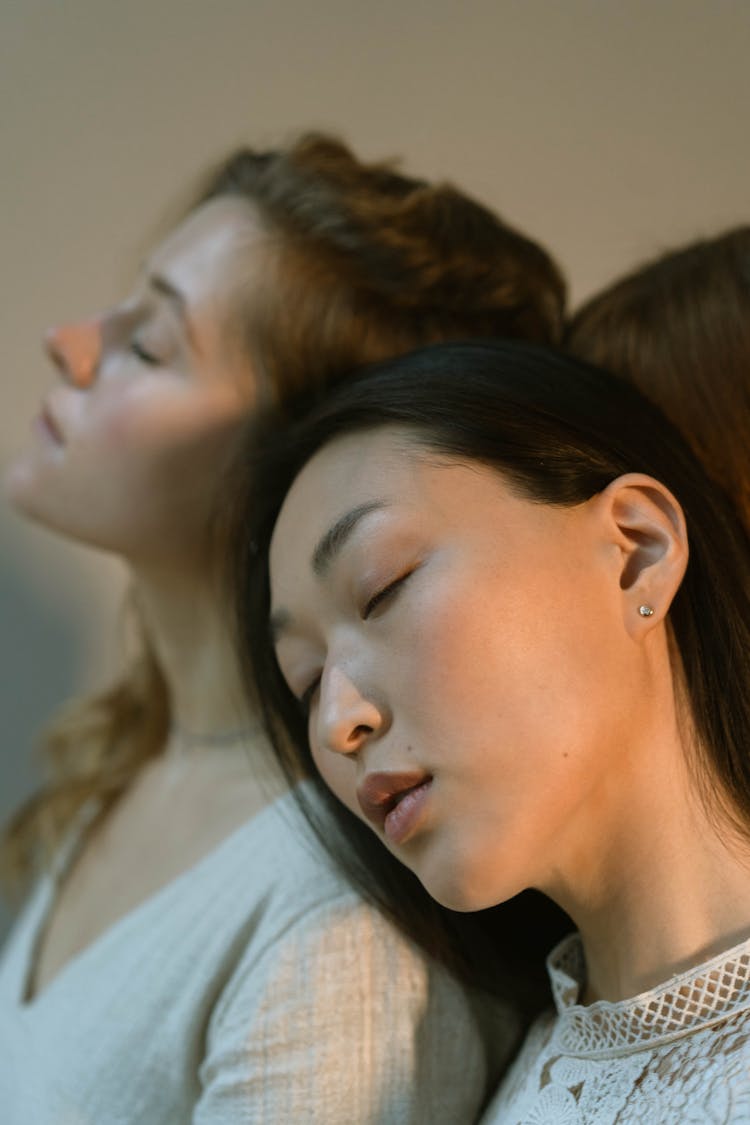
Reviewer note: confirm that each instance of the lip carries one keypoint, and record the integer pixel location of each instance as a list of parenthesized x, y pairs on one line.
[(394, 802)]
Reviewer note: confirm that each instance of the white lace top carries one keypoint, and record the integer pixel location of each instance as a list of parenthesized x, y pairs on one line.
[(679, 1053)]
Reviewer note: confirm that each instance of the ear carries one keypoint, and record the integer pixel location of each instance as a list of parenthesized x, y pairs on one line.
[(646, 525)]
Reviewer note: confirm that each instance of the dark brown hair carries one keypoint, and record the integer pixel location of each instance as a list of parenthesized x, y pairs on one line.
[(560, 431), (679, 328)]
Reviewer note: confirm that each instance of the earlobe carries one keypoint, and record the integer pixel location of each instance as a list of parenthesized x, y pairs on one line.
[(647, 525)]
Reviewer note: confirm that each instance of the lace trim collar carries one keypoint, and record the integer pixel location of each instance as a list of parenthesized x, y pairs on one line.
[(683, 1005)]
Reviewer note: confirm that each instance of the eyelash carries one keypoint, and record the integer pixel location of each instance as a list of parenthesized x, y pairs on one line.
[(386, 592), (305, 699), (140, 353)]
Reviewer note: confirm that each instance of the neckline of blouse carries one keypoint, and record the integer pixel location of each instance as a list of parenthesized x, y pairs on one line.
[(684, 1004)]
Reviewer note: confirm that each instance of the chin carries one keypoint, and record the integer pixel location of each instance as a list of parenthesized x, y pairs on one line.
[(36, 513), (28, 494), (463, 902), (14, 486), (24, 504), (463, 891)]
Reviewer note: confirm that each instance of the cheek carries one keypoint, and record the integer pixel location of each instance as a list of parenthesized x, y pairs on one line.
[(136, 470), (167, 419), (449, 653), (173, 445), (510, 667)]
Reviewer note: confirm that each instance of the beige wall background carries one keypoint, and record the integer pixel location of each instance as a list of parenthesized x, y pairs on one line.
[(607, 128)]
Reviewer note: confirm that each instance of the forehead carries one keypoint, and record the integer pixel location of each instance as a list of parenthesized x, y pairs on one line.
[(362, 468), (213, 252), (387, 468)]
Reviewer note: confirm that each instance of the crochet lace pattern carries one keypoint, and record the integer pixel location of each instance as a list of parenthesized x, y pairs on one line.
[(678, 1053)]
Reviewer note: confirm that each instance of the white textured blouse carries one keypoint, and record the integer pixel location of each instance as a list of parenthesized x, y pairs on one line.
[(257, 987), (677, 1055)]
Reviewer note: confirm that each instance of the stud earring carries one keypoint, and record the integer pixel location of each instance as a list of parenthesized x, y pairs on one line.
[(646, 610)]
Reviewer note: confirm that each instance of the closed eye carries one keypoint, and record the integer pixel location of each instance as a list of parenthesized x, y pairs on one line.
[(383, 595), (144, 356)]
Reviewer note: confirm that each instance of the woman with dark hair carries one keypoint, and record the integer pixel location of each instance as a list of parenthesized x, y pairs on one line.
[(679, 328), (189, 954), (510, 614)]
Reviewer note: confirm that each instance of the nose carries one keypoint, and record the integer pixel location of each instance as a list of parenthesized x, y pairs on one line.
[(75, 349), (347, 719)]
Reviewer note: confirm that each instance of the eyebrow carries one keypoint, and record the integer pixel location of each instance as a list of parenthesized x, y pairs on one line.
[(331, 542), (177, 299), (328, 546)]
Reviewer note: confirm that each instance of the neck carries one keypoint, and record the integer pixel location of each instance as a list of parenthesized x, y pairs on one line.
[(190, 630), (663, 911), (659, 885)]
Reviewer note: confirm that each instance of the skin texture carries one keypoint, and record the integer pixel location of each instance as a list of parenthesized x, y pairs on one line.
[(494, 644), (125, 451)]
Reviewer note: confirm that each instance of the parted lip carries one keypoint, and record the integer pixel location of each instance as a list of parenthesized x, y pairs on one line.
[(379, 793)]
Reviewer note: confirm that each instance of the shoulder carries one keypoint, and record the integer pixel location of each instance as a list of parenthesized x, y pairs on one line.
[(342, 1012), (283, 863), (312, 930), (330, 1005)]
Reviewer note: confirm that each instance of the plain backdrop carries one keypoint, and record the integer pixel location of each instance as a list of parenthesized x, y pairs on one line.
[(609, 129)]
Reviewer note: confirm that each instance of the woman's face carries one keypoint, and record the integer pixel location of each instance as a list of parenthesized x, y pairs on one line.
[(462, 652), (128, 448)]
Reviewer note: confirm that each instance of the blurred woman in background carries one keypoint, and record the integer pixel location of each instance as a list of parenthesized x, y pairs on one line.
[(189, 954)]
